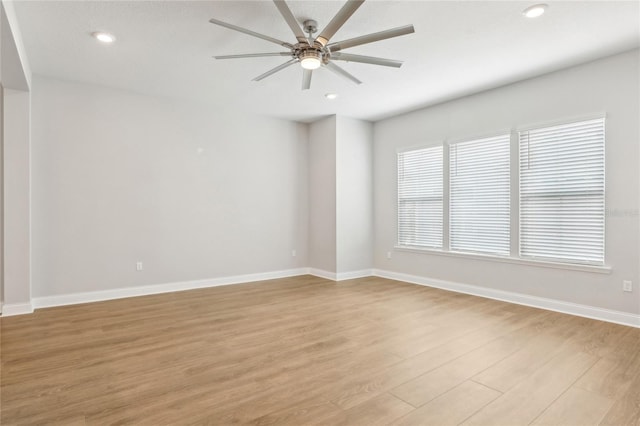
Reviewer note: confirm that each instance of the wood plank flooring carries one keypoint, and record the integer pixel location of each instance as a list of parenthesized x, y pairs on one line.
[(305, 350)]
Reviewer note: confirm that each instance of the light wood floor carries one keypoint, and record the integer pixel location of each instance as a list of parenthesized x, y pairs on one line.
[(307, 351)]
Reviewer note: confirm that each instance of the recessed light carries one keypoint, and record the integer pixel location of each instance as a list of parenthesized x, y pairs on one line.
[(534, 11), (331, 96), (104, 37)]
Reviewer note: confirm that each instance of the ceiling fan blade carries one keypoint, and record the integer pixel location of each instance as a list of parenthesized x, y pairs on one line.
[(370, 38), (291, 20), (340, 71), (253, 55), (338, 21), (348, 57), (251, 33), (275, 70), (306, 79)]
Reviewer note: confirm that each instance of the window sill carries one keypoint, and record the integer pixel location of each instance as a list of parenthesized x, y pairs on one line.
[(512, 260)]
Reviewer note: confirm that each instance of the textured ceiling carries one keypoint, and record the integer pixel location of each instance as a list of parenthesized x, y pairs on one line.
[(165, 48)]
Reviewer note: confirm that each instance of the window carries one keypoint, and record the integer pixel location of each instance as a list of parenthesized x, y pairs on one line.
[(562, 192), (559, 183), (479, 179), (420, 197)]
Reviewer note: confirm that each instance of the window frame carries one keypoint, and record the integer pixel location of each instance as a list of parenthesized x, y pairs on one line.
[(398, 200), (604, 193), (514, 257), (502, 135)]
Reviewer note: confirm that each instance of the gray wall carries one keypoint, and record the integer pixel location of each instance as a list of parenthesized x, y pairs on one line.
[(354, 195), (322, 194), (1, 187), (196, 193), (15, 172), (16, 195), (610, 86), (193, 193), (341, 194)]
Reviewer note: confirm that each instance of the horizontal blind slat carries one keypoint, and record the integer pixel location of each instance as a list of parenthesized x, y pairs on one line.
[(562, 192), (480, 195), (420, 198)]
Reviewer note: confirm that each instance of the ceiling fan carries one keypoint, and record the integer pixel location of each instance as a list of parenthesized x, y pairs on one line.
[(313, 53)]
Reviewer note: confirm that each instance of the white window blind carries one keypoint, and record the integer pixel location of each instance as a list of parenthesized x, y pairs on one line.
[(562, 192), (420, 197), (479, 209)]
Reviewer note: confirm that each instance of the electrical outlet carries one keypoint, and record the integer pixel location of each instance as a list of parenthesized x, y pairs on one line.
[(388, 255), (138, 266), (627, 286), (293, 253)]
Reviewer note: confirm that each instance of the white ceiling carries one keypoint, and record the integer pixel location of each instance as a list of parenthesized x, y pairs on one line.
[(166, 47)]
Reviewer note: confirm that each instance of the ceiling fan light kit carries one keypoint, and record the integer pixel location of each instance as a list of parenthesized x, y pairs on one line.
[(319, 52), (310, 59)]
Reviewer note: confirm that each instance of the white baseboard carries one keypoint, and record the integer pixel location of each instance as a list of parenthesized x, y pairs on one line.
[(602, 314), (618, 317), (354, 274), (322, 274), (11, 309), (98, 296), (340, 276)]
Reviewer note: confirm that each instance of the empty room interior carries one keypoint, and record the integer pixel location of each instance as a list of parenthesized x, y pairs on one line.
[(320, 212)]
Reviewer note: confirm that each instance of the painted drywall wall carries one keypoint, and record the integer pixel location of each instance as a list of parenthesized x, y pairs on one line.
[(340, 196), (15, 267), (191, 192), (354, 195), (322, 194), (2, 29), (1, 189), (14, 67), (16, 198), (610, 86)]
